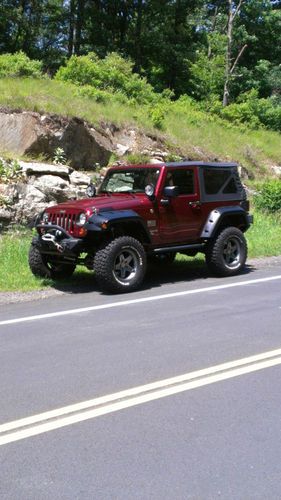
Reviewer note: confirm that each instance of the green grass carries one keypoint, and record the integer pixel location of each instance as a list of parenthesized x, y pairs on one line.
[(196, 134), (14, 271), (264, 239)]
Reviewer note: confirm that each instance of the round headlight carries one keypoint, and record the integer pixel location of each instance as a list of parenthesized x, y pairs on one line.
[(149, 190), (45, 218), (82, 219)]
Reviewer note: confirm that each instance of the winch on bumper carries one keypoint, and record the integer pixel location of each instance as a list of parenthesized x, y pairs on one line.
[(54, 239)]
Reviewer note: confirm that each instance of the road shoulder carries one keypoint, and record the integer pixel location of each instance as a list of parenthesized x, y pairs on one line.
[(15, 297)]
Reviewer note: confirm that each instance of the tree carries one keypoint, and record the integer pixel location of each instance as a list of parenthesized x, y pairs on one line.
[(230, 65), (76, 24)]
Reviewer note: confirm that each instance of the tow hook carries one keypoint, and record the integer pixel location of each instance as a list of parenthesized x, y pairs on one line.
[(50, 238)]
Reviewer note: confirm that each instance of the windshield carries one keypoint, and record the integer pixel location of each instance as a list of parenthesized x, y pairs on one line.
[(129, 181)]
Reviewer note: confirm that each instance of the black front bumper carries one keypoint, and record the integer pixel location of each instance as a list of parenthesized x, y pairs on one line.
[(54, 240)]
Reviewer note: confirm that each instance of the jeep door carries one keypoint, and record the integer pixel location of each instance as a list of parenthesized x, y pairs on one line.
[(181, 217)]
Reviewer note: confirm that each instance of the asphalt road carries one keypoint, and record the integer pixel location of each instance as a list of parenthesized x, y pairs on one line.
[(202, 359)]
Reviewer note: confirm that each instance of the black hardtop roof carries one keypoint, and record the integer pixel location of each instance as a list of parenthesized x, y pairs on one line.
[(214, 164)]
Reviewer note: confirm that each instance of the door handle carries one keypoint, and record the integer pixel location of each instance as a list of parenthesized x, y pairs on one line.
[(195, 204)]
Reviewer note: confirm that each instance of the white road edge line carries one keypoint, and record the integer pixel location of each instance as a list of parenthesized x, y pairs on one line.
[(132, 397), (138, 301)]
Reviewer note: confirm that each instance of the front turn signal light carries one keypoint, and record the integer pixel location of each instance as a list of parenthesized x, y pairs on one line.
[(82, 232)]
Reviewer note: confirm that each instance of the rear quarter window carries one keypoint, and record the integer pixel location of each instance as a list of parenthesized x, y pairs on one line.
[(220, 184), (216, 181)]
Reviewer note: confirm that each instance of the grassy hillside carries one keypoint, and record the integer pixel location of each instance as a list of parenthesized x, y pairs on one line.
[(196, 134)]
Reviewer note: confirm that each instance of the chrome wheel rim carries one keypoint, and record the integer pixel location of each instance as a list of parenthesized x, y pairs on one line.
[(125, 265), (232, 253)]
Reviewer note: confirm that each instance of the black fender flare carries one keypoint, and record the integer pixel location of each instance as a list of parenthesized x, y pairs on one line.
[(104, 221), (217, 215)]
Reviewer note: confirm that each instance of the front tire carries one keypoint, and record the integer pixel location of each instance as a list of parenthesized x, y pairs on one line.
[(48, 268), (227, 253), (120, 265)]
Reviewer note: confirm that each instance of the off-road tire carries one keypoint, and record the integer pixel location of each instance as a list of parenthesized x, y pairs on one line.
[(45, 268), (120, 265), (227, 253)]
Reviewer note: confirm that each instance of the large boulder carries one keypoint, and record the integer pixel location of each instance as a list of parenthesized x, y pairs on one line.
[(54, 188), (28, 133), (39, 185), (36, 169)]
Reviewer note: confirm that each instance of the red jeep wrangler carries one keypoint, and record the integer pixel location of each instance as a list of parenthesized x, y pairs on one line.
[(147, 212)]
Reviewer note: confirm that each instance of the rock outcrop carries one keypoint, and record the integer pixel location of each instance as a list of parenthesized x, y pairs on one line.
[(84, 146), (40, 184)]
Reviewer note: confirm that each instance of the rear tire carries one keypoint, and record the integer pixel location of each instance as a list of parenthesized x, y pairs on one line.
[(120, 265), (48, 268), (227, 253)]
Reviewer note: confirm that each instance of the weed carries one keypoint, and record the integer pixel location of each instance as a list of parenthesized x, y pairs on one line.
[(59, 157), (10, 170)]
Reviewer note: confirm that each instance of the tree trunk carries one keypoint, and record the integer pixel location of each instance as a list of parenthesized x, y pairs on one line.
[(79, 25), (228, 54), (71, 35), (138, 51), (229, 67)]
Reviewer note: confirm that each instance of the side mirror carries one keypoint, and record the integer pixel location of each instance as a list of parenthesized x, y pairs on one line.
[(91, 191), (171, 191)]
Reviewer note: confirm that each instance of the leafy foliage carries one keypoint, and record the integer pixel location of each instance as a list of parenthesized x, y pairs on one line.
[(269, 196), (59, 157), (152, 52), (19, 65), (100, 77), (249, 111), (157, 115), (207, 71), (10, 170)]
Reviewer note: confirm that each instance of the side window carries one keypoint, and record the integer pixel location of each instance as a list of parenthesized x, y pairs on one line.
[(183, 178), (216, 180)]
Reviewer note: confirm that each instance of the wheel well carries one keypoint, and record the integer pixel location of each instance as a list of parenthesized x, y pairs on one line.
[(130, 228), (235, 220)]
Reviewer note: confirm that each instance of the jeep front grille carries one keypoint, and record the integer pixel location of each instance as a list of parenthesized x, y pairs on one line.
[(63, 219)]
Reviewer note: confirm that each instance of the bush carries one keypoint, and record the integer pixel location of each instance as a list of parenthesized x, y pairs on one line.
[(249, 111), (157, 116), (269, 196), (18, 64), (269, 113), (113, 74)]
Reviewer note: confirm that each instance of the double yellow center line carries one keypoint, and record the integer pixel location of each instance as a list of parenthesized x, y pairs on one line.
[(86, 410)]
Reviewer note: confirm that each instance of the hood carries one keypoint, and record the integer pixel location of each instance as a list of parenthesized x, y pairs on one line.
[(102, 203)]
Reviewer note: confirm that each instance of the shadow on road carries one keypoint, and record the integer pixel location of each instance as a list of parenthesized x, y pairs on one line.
[(83, 281)]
